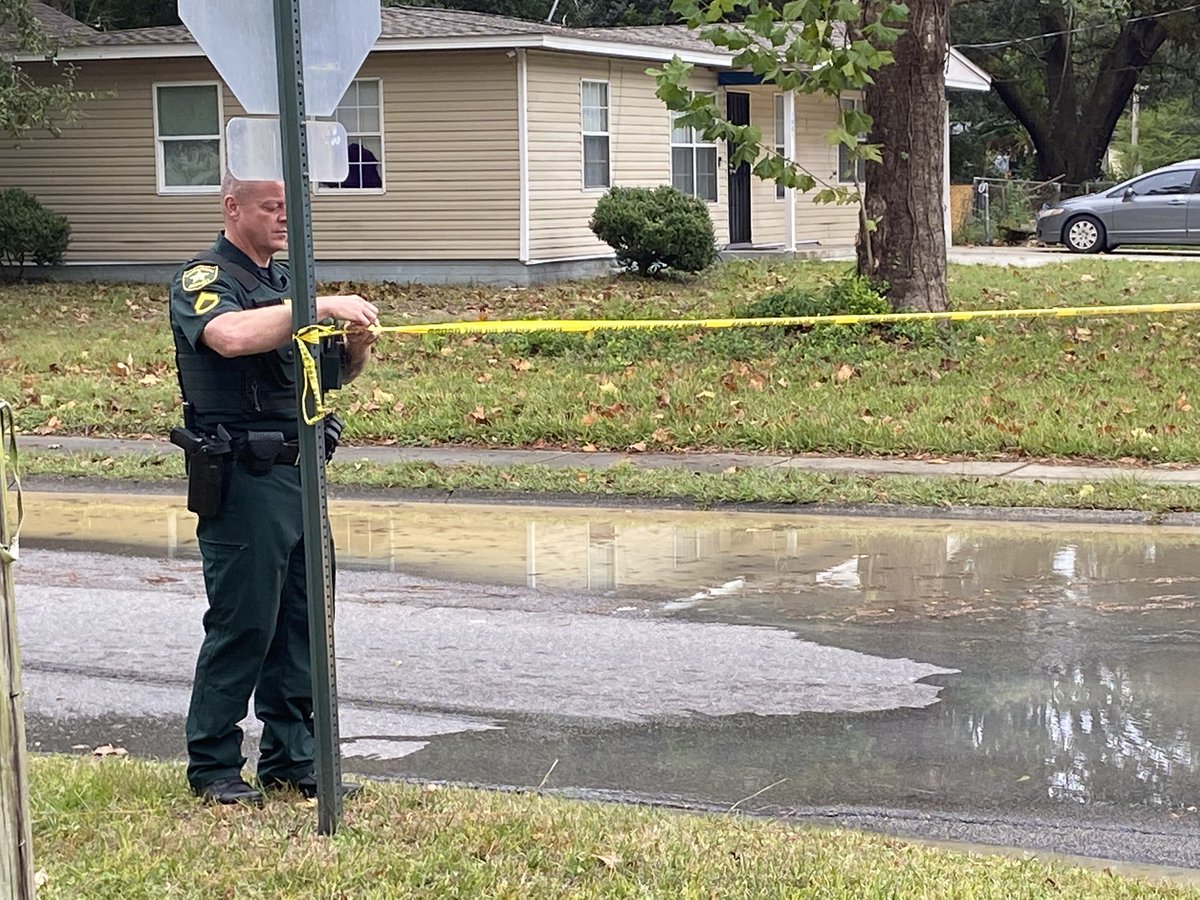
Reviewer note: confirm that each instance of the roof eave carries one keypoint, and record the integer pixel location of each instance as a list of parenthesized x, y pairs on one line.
[(562, 43)]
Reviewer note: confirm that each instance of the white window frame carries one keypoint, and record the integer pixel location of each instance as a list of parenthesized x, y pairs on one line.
[(382, 135), (860, 164), (694, 145), (160, 169), (584, 134), (780, 139)]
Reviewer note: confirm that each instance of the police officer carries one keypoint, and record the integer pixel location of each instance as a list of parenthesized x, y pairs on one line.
[(232, 324)]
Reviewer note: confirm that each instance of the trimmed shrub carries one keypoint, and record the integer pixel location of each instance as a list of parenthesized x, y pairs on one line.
[(851, 295), (656, 229), (30, 233)]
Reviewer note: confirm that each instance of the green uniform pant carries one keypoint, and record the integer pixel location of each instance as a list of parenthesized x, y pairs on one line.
[(255, 632)]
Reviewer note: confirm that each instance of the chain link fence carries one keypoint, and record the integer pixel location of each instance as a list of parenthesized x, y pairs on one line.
[(1004, 210)]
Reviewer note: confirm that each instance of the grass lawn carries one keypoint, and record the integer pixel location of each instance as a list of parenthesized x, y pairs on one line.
[(96, 359), (704, 489), (125, 829)]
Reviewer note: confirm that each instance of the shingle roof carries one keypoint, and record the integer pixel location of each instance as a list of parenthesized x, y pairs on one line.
[(416, 22), (423, 21), (59, 27), (671, 37)]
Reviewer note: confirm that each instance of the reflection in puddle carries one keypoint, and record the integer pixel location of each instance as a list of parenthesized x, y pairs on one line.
[(1077, 645)]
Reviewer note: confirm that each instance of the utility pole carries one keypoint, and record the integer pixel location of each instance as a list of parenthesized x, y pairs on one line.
[(1134, 116)]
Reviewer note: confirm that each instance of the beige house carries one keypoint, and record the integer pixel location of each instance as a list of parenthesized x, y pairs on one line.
[(479, 147)]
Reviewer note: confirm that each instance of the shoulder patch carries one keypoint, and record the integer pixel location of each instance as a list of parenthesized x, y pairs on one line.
[(200, 276), (205, 302)]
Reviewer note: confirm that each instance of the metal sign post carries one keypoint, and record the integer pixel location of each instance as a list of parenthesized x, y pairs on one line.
[(317, 539)]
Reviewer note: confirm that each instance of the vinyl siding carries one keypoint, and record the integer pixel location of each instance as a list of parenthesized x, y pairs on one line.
[(826, 223), (639, 147), (451, 166)]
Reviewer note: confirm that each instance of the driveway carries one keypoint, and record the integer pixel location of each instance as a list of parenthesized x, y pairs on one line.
[(1027, 257)]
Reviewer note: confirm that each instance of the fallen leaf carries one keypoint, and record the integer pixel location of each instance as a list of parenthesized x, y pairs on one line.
[(639, 447), (149, 379), (612, 860), (844, 373), (1087, 490), (477, 416), (731, 470), (588, 448), (588, 420), (705, 395), (661, 435), (608, 388), (109, 750)]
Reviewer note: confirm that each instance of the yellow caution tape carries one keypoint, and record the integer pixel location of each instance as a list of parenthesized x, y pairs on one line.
[(305, 338), (314, 333), (586, 325)]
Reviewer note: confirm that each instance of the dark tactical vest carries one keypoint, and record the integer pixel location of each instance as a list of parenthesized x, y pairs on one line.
[(239, 390)]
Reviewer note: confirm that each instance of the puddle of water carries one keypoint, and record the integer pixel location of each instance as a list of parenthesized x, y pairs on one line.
[(1070, 654)]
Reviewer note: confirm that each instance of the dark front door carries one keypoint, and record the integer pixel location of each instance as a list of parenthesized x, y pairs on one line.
[(737, 108)]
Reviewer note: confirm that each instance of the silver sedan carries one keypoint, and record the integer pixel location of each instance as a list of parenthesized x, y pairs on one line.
[(1160, 207)]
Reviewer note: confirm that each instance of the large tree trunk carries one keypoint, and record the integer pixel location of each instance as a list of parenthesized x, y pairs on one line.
[(904, 192)]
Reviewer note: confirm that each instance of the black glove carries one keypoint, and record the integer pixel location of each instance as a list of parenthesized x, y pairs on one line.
[(333, 432)]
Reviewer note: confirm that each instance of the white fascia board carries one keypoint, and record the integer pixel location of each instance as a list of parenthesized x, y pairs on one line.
[(483, 42), (964, 75), (118, 51), (635, 51)]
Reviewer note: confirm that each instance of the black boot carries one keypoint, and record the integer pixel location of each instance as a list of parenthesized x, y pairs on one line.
[(227, 791), (307, 786)]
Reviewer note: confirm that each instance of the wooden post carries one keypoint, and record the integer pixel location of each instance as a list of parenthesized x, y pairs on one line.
[(16, 839)]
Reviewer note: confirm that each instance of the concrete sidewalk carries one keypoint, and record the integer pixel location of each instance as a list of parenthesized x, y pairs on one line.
[(1015, 470)]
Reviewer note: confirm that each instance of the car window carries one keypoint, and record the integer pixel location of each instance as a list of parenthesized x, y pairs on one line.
[(1164, 183)]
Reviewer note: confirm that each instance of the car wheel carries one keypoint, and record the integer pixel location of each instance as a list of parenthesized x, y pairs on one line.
[(1084, 235)]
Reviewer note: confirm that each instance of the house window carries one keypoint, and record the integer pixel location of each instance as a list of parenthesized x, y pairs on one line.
[(693, 161), (850, 171), (780, 141), (361, 113), (187, 134), (597, 172)]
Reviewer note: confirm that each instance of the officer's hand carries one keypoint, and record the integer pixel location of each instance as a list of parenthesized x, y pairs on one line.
[(359, 337), (348, 308)]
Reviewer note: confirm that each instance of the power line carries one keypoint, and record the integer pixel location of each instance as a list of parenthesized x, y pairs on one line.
[(995, 45)]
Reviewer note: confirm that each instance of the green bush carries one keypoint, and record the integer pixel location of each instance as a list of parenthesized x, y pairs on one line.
[(30, 233), (850, 295), (656, 229)]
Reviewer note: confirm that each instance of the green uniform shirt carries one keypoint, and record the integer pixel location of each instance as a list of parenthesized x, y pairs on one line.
[(242, 393)]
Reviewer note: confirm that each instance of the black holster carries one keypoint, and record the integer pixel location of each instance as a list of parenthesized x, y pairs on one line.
[(206, 460)]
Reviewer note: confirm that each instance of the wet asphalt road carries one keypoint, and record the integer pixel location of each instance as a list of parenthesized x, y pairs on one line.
[(1063, 727)]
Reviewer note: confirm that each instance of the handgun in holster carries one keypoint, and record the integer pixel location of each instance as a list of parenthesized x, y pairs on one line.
[(206, 460)]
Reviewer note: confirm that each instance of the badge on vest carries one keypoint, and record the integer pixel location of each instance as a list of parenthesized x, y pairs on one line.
[(200, 276)]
